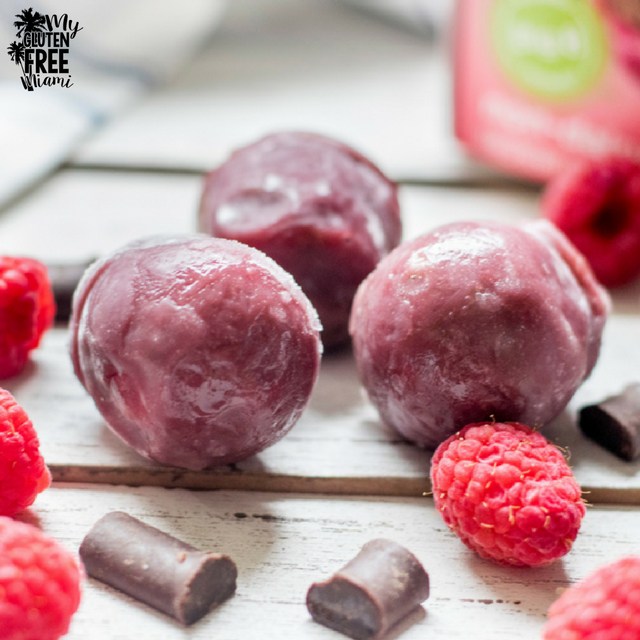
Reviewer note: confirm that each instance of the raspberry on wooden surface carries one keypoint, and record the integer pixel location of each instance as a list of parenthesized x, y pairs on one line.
[(40, 583), (27, 309), (605, 605), (508, 493), (23, 472)]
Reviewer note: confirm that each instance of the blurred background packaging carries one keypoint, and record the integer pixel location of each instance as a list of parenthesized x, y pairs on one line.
[(543, 84), (190, 81), (176, 87)]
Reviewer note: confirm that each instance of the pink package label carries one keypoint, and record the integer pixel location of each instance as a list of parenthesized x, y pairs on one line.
[(540, 83)]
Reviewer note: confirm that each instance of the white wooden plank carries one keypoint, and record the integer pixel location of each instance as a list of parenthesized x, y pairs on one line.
[(81, 215), (339, 445), (282, 544), (77, 215)]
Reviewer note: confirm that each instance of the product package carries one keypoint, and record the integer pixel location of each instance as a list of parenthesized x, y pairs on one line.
[(542, 83)]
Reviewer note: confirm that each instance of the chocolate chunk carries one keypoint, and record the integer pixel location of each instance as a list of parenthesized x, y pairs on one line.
[(64, 279), (371, 593), (614, 423), (156, 568)]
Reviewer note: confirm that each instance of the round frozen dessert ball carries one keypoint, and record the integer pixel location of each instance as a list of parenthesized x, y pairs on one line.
[(320, 209), (197, 351), (473, 322)]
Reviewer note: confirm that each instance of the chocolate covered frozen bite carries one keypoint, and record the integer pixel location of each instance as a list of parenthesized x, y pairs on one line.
[(320, 209), (473, 322), (197, 351)]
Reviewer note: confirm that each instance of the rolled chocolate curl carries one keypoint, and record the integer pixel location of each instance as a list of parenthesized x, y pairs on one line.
[(614, 423), (156, 568), (371, 593)]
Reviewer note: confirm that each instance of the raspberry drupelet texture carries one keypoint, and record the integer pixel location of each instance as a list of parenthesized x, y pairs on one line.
[(596, 203), (27, 309), (23, 472), (508, 493), (603, 605), (39, 582)]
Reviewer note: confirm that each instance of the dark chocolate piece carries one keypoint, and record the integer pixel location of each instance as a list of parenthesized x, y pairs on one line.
[(64, 278), (614, 423), (156, 568), (371, 593)]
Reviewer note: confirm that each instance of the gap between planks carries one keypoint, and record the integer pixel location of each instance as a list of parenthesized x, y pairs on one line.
[(236, 480)]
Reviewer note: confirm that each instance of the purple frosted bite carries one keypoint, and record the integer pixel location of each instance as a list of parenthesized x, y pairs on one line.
[(320, 209), (473, 321), (197, 351)]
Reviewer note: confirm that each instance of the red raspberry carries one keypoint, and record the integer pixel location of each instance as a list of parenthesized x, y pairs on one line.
[(27, 309), (23, 473), (603, 605), (597, 205), (39, 583), (508, 493)]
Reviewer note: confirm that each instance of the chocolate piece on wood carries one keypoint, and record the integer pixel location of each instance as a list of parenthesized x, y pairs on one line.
[(614, 423), (64, 279), (156, 568), (371, 593)]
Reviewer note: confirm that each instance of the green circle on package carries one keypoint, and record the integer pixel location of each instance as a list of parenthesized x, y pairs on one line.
[(553, 49)]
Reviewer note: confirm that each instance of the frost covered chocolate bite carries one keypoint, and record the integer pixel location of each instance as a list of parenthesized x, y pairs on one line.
[(473, 322), (197, 351), (321, 210)]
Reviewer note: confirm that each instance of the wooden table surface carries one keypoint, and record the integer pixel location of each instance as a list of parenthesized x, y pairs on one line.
[(298, 511)]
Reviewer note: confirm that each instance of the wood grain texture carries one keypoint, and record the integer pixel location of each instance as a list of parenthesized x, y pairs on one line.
[(75, 216), (339, 445), (282, 544)]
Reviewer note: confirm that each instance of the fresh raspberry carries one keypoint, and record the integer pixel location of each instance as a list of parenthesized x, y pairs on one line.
[(27, 309), (603, 605), (508, 493), (39, 583), (596, 203), (23, 473)]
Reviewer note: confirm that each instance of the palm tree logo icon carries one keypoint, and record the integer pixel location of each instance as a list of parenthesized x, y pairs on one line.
[(41, 48), (29, 21), (16, 53)]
